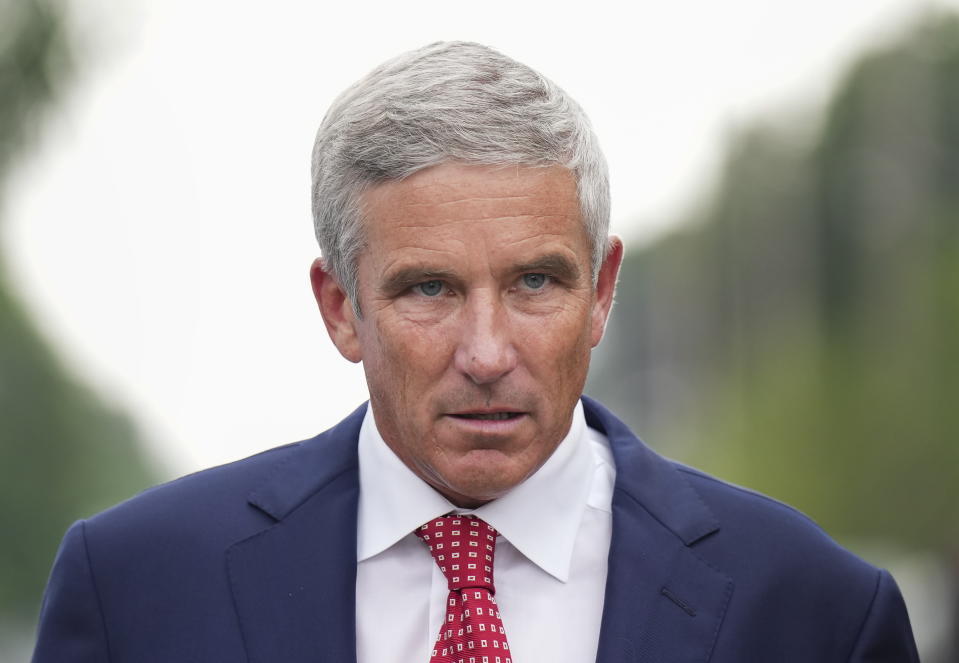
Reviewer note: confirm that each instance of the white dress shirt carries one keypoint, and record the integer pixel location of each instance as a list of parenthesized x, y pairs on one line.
[(550, 565)]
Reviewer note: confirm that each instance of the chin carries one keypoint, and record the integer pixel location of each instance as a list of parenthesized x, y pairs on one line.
[(480, 489)]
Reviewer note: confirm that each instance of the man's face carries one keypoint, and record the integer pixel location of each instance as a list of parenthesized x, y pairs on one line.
[(478, 317)]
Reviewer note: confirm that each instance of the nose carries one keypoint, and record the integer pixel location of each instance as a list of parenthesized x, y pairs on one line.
[(485, 352)]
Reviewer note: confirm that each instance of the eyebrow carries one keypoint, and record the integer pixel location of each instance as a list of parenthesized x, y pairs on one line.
[(406, 277), (554, 264)]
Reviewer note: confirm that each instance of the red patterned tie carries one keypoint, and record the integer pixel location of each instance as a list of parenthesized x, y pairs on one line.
[(463, 547)]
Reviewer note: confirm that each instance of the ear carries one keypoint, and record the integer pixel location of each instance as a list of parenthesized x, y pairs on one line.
[(337, 311), (606, 288)]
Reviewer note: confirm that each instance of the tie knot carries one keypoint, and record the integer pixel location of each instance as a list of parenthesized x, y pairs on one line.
[(463, 548)]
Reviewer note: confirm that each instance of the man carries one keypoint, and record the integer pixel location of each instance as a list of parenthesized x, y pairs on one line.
[(478, 509)]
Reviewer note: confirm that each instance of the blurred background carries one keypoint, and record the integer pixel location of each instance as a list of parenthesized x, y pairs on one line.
[(786, 180)]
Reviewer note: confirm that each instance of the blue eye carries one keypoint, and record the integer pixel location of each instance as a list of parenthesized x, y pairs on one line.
[(430, 288), (534, 281)]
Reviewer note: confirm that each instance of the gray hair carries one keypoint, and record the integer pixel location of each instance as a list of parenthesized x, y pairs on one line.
[(449, 101)]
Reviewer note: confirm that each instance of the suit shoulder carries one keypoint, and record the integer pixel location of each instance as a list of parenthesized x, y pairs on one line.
[(239, 497), (725, 495), (790, 571), (755, 526), (202, 498)]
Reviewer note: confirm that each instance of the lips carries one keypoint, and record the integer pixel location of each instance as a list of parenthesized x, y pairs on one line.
[(488, 416)]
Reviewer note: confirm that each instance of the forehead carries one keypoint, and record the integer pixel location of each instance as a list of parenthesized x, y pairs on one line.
[(456, 202)]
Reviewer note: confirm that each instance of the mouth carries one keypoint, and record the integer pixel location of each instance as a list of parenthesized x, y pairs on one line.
[(487, 416)]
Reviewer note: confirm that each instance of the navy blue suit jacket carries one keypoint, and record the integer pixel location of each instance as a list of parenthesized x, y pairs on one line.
[(256, 561)]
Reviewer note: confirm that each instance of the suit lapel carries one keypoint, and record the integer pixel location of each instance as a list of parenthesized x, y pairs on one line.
[(663, 603), (294, 584)]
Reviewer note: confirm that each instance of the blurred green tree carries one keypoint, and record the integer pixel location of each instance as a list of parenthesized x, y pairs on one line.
[(800, 334), (64, 454)]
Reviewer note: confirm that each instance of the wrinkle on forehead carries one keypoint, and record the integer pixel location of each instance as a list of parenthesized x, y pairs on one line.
[(473, 199), (441, 224), (428, 188)]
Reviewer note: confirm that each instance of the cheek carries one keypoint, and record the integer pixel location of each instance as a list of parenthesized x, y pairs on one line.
[(559, 357), (408, 351)]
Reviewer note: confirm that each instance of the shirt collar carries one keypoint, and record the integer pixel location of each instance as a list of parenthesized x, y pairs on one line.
[(540, 516), (393, 500)]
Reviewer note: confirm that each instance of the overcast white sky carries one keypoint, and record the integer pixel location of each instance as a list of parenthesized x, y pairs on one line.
[(162, 234)]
